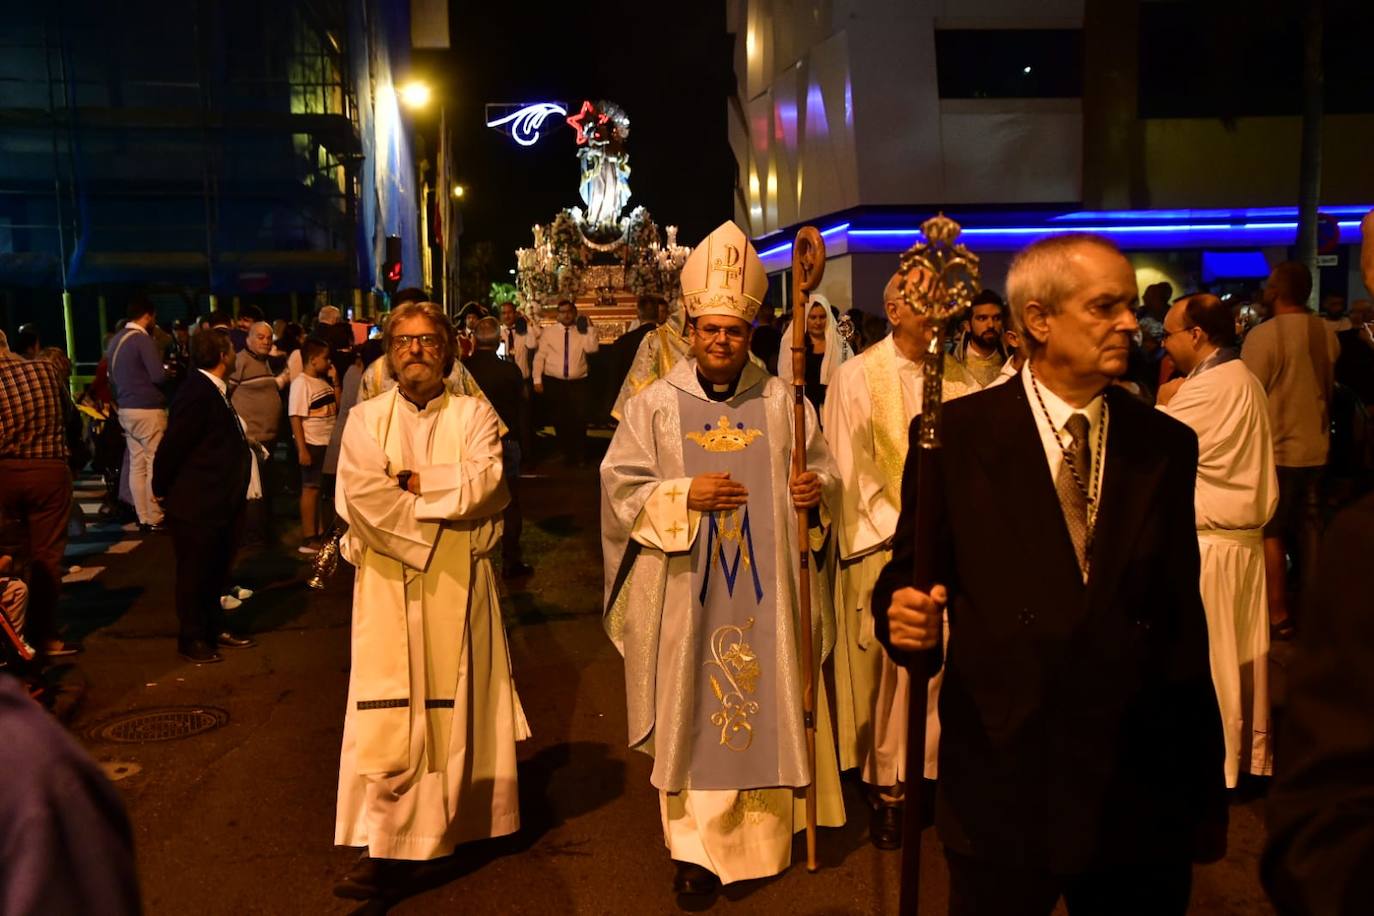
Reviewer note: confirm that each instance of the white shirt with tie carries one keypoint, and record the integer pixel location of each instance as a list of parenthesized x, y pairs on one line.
[(563, 352), (1051, 438), (520, 346)]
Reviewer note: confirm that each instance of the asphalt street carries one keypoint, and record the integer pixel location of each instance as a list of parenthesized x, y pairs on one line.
[(239, 819)]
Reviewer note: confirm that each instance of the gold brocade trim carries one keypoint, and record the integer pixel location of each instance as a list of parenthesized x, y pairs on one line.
[(740, 667), (890, 422), (755, 806), (614, 623), (725, 438)]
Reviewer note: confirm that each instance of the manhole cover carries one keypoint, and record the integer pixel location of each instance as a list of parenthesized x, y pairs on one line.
[(165, 724)]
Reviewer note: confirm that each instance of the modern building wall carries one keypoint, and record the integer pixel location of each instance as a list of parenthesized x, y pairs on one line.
[(839, 106), (251, 151), (846, 112)]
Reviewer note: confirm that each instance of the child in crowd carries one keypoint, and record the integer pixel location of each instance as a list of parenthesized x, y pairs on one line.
[(14, 601), (313, 406)]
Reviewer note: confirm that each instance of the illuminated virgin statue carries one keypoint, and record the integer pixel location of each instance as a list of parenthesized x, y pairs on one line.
[(601, 133)]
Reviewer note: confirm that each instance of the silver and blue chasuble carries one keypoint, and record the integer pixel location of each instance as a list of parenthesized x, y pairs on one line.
[(734, 600)]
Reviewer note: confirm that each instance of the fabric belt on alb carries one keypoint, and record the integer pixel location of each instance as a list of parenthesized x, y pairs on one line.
[(1234, 535)]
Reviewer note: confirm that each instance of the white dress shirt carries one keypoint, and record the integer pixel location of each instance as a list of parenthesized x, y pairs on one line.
[(220, 383), (520, 346), (1052, 437), (1009, 372), (557, 340)]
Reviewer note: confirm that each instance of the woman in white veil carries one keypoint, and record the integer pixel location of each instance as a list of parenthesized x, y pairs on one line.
[(825, 351)]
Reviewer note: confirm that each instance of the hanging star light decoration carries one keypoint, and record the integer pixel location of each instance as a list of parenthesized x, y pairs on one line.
[(580, 121)]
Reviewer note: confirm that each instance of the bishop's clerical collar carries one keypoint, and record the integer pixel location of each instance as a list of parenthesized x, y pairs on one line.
[(718, 392)]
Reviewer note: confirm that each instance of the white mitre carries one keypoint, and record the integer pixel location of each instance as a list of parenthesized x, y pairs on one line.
[(724, 276)]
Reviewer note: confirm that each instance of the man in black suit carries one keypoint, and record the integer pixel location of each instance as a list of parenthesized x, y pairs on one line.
[(200, 476), (1080, 740), (626, 346), (504, 386)]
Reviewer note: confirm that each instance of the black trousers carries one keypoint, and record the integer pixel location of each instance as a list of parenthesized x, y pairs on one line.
[(566, 401), (205, 557), (1297, 522), (981, 888)]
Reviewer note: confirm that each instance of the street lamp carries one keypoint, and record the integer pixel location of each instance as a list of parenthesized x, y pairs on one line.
[(414, 94), (459, 191)]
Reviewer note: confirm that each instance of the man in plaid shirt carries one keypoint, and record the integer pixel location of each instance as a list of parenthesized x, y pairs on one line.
[(35, 481)]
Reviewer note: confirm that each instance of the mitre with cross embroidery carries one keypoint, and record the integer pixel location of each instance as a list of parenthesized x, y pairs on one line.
[(724, 276)]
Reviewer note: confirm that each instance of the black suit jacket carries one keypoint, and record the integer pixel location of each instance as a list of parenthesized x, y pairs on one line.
[(202, 465), (626, 347), (1319, 858), (504, 386), (1078, 723)]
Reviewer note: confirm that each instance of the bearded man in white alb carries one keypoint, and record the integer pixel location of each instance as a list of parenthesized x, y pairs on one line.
[(428, 757)]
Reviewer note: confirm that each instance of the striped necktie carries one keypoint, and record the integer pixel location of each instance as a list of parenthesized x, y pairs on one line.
[(567, 343), (1070, 484)]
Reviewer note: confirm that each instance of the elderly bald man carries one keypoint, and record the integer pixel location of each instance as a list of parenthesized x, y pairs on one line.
[(255, 393), (254, 390)]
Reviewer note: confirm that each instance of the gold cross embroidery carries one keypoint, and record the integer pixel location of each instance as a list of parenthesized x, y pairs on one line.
[(676, 529), (673, 494)]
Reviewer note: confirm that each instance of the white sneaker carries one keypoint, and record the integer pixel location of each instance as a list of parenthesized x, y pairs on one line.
[(229, 602), (241, 593)]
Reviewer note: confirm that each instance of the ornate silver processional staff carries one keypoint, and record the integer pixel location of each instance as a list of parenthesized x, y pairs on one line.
[(940, 277)]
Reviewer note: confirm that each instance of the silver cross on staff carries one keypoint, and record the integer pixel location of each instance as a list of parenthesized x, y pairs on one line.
[(940, 277)]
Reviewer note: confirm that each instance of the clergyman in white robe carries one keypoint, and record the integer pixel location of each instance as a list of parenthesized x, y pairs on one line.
[(868, 413), (1237, 492), (428, 758)]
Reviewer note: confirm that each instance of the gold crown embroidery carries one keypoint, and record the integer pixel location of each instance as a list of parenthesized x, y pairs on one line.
[(725, 438)]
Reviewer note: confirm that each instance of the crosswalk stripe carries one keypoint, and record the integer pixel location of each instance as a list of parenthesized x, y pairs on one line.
[(84, 574)]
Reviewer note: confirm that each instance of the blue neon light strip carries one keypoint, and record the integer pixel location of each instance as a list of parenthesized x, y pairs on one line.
[(787, 246), (1052, 230), (1159, 233), (1250, 213)]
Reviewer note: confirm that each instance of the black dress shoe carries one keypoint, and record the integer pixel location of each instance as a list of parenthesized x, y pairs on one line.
[(516, 570), (230, 641), (199, 652), (885, 827), (372, 878), (693, 880)]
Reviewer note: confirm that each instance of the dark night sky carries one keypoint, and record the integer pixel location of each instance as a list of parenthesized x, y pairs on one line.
[(671, 75)]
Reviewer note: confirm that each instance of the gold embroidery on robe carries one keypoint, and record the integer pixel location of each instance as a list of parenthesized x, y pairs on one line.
[(739, 666), (754, 806), (890, 422), (725, 438), (730, 530)]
